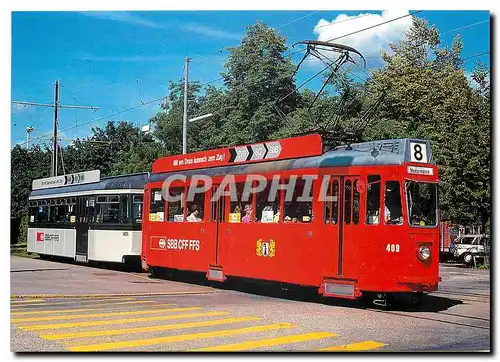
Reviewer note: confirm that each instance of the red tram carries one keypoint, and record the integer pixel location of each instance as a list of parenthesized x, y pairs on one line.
[(355, 220)]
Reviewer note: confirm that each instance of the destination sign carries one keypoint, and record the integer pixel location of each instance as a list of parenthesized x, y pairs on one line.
[(67, 180), (303, 146)]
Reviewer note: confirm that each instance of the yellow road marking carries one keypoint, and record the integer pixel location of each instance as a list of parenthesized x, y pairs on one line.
[(30, 311), (113, 332), (358, 346), (38, 327), (76, 301), (269, 342), (177, 338), (26, 301), (95, 315)]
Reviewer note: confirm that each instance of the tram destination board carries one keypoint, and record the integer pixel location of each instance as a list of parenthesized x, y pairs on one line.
[(303, 146)]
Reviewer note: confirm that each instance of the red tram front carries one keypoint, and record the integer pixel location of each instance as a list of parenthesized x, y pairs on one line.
[(358, 219)]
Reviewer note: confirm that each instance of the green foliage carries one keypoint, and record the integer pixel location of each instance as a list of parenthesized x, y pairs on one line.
[(23, 231)]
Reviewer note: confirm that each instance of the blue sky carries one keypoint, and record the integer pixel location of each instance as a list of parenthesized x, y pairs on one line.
[(116, 60)]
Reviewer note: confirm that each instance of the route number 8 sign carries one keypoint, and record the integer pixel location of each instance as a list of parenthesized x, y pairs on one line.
[(418, 152)]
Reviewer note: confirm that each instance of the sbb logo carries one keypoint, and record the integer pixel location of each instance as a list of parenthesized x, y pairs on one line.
[(39, 237)]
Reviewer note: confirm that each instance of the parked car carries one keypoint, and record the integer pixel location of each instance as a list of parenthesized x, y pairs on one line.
[(465, 247)]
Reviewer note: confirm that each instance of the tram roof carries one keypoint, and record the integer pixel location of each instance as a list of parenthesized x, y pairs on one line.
[(131, 181), (375, 153)]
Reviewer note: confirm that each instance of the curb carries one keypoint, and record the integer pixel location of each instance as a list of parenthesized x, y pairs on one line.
[(83, 296)]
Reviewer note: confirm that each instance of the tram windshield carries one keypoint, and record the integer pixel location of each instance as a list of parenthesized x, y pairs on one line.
[(422, 203)]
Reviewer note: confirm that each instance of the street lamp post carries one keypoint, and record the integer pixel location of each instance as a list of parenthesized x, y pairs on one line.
[(199, 118)]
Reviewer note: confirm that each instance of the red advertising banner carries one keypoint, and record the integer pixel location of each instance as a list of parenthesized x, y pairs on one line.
[(303, 146)]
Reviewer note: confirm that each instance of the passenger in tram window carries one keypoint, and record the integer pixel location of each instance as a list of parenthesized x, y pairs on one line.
[(248, 214), (195, 214), (276, 217)]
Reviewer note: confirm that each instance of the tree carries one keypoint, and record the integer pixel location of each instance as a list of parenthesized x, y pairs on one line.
[(259, 87), (428, 96)]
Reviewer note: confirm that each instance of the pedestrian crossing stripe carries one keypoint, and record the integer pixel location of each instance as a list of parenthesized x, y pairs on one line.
[(143, 329), (243, 346), (30, 311), (76, 301), (98, 315), (178, 338), (26, 301), (38, 327), (353, 347)]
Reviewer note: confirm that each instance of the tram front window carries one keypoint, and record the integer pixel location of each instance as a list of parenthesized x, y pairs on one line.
[(422, 203)]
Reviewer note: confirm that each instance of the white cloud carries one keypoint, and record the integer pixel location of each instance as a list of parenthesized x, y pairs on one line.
[(210, 32), (123, 17), (369, 42)]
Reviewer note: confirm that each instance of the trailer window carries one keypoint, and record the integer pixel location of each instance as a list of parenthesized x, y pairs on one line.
[(393, 213), (124, 210), (373, 200), (267, 205), (137, 208), (156, 206), (108, 209), (176, 208), (299, 209)]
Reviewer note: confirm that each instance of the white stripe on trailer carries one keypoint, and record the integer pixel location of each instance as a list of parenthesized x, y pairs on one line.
[(88, 193), (273, 149)]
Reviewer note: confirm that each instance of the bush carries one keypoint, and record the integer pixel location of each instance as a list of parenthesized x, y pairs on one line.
[(23, 230), (15, 223)]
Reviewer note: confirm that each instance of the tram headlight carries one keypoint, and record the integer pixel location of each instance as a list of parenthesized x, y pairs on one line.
[(424, 252)]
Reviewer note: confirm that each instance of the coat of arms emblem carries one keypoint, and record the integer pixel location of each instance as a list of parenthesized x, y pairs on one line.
[(266, 248)]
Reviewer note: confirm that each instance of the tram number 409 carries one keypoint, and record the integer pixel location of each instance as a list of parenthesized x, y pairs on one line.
[(392, 248)]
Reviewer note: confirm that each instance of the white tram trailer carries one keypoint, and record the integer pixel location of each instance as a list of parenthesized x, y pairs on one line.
[(86, 218)]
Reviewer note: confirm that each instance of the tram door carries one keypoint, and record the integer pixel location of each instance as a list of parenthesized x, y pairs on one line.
[(84, 205), (349, 220), (217, 215)]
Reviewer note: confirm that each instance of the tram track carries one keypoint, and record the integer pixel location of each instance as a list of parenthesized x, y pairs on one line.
[(426, 318)]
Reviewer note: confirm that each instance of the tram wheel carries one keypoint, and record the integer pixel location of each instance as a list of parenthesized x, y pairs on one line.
[(417, 299)]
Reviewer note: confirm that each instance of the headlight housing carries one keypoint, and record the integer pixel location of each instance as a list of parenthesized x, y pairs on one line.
[(424, 252)]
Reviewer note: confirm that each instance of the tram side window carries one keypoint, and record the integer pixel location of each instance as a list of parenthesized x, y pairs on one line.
[(108, 209), (137, 208), (299, 208), (355, 202), (347, 202), (195, 208), (331, 202), (156, 206), (267, 206), (240, 210), (373, 200), (393, 213), (176, 208)]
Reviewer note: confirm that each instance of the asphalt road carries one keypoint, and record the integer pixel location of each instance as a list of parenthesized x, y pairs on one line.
[(115, 310)]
